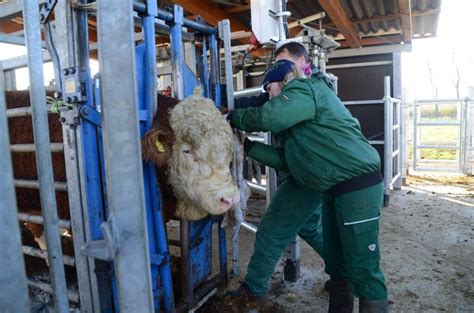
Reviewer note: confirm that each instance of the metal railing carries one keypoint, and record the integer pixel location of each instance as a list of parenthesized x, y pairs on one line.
[(441, 136)]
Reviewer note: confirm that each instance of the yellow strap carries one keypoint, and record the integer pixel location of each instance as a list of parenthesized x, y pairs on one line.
[(159, 146)]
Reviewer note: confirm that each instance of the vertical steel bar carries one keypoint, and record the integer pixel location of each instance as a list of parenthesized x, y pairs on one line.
[(224, 33), (13, 289), (215, 78), (398, 182), (186, 276), (415, 134), (459, 151), (43, 153), (205, 67), (123, 164), (177, 57), (388, 140)]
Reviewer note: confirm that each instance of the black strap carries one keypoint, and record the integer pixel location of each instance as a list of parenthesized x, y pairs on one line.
[(355, 183)]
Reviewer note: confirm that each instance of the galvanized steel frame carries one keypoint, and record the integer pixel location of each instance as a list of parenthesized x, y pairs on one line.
[(13, 288), (127, 220), (43, 153), (462, 145)]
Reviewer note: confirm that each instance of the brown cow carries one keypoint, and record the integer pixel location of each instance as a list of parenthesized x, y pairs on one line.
[(189, 141)]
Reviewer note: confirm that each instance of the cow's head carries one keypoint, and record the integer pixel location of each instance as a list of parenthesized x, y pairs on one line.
[(198, 157)]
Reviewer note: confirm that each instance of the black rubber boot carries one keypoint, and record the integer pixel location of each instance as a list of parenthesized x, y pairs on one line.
[(341, 299), (242, 293), (373, 306)]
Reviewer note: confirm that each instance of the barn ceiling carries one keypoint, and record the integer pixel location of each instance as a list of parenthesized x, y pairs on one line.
[(354, 23)]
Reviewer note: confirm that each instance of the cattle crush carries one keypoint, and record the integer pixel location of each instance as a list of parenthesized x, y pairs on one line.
[(89, 208)]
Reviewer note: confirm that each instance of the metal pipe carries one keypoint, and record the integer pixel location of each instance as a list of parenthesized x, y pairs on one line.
[(224, 33), (55, 147), (38, 219), (215, 76), (248, 92), (123, 163), (177, 56), (13, 290), (168, 17), (43, 254), (24, 111), (186, 278), (35, 184), (362, 102), (388, 139), (256, 187), (44, 163), (73, 296), (249, 227)]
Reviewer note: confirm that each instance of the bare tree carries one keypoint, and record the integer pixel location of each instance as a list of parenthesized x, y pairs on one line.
[(433, 83), (456, 80)]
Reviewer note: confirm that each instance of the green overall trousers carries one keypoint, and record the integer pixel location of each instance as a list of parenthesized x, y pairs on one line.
[(294, 210), (351, 248)]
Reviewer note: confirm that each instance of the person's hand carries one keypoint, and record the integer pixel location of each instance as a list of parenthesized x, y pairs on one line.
[(228, 116)]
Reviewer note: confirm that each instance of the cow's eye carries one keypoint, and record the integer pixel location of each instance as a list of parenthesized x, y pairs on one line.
[(187, 151)]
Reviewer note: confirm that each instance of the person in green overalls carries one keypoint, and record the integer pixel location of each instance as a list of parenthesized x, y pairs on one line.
[(324, 150)]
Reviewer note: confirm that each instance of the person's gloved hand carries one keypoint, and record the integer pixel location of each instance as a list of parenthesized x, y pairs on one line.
[(228, 116), (248, 144)]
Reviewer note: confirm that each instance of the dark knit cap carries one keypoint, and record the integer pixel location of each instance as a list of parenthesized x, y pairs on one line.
[(277, 72)]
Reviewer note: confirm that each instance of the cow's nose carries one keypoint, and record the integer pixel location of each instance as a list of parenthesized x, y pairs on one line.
[(227, 201)]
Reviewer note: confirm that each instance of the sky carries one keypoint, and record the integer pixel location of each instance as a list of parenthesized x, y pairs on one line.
[(455, 27), (454, 35)]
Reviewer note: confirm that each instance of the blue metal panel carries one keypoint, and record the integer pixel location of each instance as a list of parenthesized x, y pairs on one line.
[(190, 81), (200, 236)]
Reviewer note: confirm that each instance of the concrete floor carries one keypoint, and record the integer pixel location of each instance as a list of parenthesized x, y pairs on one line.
[(427, 238)]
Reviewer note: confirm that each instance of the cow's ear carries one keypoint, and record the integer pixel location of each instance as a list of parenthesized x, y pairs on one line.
[(154, 148)]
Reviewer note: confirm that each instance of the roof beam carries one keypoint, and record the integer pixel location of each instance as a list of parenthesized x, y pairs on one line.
[(337, 14), (372, 41), (425, 12), (404, 8), (240, 8), (8, 27), (10, 9), (211, 13)]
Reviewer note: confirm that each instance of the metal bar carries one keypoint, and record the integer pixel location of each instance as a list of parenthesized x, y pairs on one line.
[(222, 250), (224, 34), (13, 290), (186, 277), (388, 139), (44, 163), (376, 142), (395, 153), (256, 187), (177, 56), (439, 124), (361, 64), (43, 254), (22, 112), (438, 161), (433, 169), (214, 77), (55, 147), (249, 227), (248, 92), (73, 296), (35, 184), (363, 102), (415, 134), (438, 147), (22, 61), (14, 40), (123, 168), (38, 219), (10, 9), (437, 101), (396, 177)]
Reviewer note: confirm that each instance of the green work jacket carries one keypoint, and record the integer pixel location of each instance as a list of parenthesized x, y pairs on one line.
[(321, 143)]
